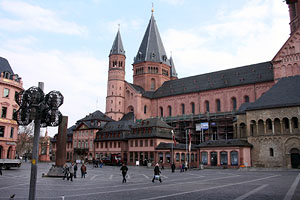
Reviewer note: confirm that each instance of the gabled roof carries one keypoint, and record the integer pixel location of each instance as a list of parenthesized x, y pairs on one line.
[(152, 122), (256, 73), (117, 47), (151, 48), (4, 66), (285, 93), (124, 124), (97, 115)]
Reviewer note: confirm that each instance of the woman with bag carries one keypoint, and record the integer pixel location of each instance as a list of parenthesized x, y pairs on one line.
[(156, 173)]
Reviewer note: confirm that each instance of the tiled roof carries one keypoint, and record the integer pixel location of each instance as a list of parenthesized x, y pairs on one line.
[(124, 124), (173, 70), (286, 92), (117, 47), (256, 73), (152, 48), (4, 66), (151, 122), (225, 143)]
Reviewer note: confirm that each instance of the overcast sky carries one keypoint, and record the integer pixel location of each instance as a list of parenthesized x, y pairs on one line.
[(65, 43)]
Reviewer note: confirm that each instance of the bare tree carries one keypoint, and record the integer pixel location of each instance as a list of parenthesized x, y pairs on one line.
[(25, 140)]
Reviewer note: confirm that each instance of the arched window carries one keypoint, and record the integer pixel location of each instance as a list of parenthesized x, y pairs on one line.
[(295, 122), (161, 111), (170, 110), (145, 109), (207, 106), (204, 158), (246, 98), (218, 105), (182, 109), (177, 157), (193, 107), (182, 157), (233, 103), (152, 84), (234, 158), (223, 157), (161, 157), (286, 123)]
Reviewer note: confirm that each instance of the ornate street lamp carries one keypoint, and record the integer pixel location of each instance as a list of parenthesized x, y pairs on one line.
[(43, 109)]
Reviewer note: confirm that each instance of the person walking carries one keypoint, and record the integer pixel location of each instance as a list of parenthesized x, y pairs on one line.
[(75, 170), (71, 171), (83, 170), (156, 173), (173, 167), (124, 170), (0, 170), (66, 171)]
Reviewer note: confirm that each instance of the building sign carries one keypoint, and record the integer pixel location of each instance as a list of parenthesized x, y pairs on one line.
[(202, 126), (11, 143)]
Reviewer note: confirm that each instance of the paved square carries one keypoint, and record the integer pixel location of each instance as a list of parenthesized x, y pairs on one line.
[(106, 183)]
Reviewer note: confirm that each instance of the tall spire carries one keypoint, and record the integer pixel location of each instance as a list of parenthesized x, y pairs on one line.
[(117, 47), (152, 48), (173, 70)]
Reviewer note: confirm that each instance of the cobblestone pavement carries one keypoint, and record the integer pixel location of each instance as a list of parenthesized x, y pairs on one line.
[(106, 183)]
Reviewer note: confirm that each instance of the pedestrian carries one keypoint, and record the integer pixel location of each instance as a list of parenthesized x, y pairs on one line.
[(186, 166), (75, 170), (1, 170), (66, 171), (83, 170), (101, 163), (173, 167), (124, 170), (71, 171), (156, 173), (182, 167)]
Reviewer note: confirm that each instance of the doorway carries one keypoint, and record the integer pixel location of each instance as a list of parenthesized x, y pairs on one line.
[(1, 152), (213, 158), (295, 158)]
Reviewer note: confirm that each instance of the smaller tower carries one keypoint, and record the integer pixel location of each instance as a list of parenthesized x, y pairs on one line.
[(173, 70), (294, 10), (115, 98)]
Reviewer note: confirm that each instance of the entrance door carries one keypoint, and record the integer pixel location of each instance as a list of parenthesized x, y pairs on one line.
[(213, 158), (1, 152), (9, 153), (295, 158)]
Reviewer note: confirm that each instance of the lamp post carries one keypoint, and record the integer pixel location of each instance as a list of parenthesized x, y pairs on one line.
[(43, 110)]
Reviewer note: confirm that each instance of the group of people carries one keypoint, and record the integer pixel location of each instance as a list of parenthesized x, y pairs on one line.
[(71, 171)]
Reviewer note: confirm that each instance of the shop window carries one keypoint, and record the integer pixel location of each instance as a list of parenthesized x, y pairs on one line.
[(223, 156), (234, 158), (204, 158), (168, 157), (161, 157), (182, 157), (177, 157)]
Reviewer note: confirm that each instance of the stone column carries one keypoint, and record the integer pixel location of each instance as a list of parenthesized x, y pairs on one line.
[(273, 128), (281, 128), (61, 142), (290, 126), (265, 128)]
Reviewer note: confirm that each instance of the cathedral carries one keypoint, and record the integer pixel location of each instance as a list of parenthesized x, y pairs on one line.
[(244, 116)]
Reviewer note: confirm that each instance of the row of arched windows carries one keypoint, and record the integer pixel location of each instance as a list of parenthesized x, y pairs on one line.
[(117, 64)]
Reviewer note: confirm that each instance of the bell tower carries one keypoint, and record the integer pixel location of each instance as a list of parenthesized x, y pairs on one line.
[(294, 10), (115, 98)]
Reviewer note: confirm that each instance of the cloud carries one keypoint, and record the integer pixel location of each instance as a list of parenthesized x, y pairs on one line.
[(125, 25), (236, 39), (79, 76), (31, 18)]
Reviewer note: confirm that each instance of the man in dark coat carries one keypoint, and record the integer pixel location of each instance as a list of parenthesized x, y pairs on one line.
[(83, 170), (173, 167), (156, 173), (124, 170), (75, 170)]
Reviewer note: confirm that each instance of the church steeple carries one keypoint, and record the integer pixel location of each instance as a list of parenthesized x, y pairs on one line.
[(117, 47), (173, 70), (151, 48)]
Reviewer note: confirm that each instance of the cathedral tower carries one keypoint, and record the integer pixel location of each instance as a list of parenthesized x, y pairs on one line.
[(294, 10), (115, 98), (151, 67)]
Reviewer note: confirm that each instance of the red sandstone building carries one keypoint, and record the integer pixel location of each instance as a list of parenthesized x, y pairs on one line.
[(144, 112), (10, 84)]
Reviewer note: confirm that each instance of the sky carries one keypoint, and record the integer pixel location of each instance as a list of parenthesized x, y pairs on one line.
[(66, 44)]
